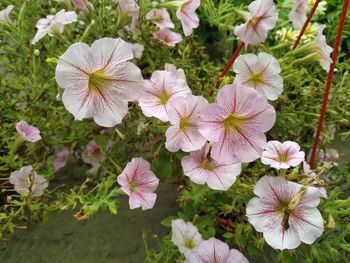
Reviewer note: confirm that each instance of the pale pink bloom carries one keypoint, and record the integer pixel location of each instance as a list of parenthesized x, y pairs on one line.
[(137, 50), (298, 13), (93, 154), (285, 212), (329, 155), (5, 14), (183, 116), (28, 132), (185, 236), (27, 181), (236, 124), (139, 183), (282, 155), (82, 4), (187, 15), (180, 74), (99, 80), (160, 17), (201, 169), (54, 24), (131, 9), (61, 159), (260, 72), (168, 37), (262, 18), (312, 175), (159, 92), (323, 50), (215, 251)]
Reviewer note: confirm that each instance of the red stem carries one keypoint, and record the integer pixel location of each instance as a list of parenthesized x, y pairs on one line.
[(227, 67), (301, 33), (329, 81)]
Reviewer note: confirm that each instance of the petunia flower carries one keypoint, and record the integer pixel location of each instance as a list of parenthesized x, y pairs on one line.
[(187, 15), (180, 74), (260, 72), (317, 50), (298, 13), (183, 115), (282, 155), (99, 81), (160, 17), (285, 212), (139, 183), (262, 18), (54, 24), (185, 236), (27, 182), (28, 132), (168, 37), (131, 9), (159, 92), (61, 159), (201, 169), (5, 14), (137, 50), (236, 124), (93, 154), (83, 4), (215, 251)]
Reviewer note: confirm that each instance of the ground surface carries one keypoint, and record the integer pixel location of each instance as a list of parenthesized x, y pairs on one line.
[(104, 238)]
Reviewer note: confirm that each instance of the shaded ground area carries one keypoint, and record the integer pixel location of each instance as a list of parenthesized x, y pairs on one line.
[(102, 239)]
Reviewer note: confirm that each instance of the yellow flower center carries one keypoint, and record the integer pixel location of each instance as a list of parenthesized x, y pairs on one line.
[(256, 78), (132, 186), (207, 165), (189, 244), (184, 122), (253, 21), (163, 97), (96, 80), (283, 158), (233, 122)]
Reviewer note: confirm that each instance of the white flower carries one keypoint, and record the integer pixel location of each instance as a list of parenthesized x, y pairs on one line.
[(54, 25), (5, 14), (185, 236), (261, 73), (285, 212), (298, 13), (282, 155), (99, 80)]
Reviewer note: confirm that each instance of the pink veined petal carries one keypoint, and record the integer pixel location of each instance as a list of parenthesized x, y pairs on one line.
[(237, 257), (110, 52), (211, 122), (223, 177), (145, 200), (74, 66), (298, 13), (277, 187)]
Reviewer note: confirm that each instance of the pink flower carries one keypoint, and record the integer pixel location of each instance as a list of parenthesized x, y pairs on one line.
[(160, 17), (54, 25), (201, 169), (82, 4), (180, 74), (323, 50), (99, 80), (131, 9), (329, 155), (183, 116), (285, 212), (27, 182), (159, 92), (298, 13), (187, 15), (61, 159), (139, 183), (236, 124), (137, 50), (261, 73), (282, 155), (93, 154), (185, 236), (27, 132), (168, 37), (262, 18), (215, 251), (5, 14)]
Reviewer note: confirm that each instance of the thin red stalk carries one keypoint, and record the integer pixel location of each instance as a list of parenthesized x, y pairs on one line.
[(301, 33), (329, 81), (227, 67)]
